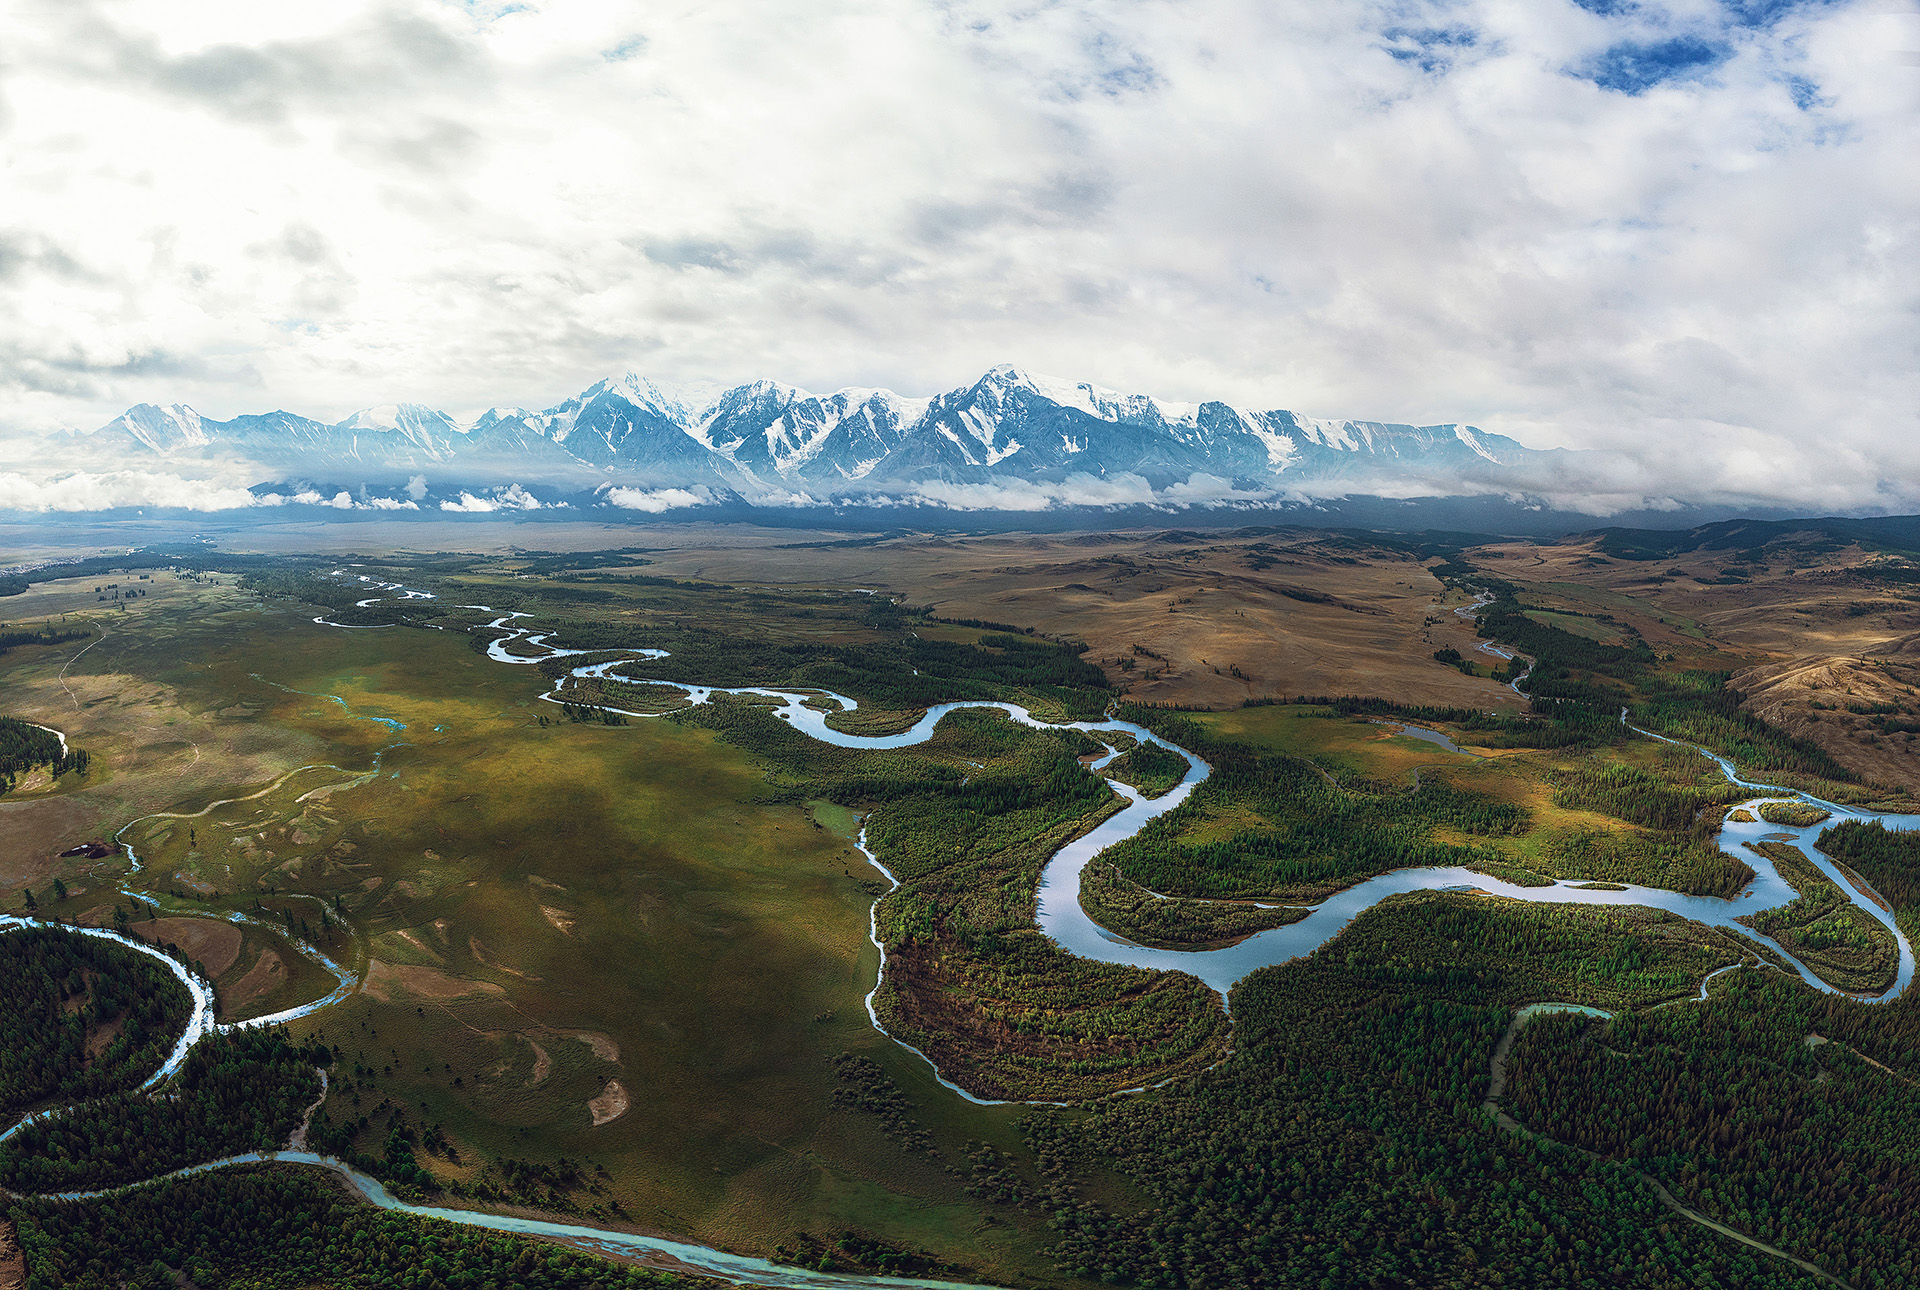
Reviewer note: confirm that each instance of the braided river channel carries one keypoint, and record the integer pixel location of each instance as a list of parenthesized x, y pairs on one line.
[(1060, 916)]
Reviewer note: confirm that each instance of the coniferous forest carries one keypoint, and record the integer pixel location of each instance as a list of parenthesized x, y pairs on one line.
[(235, 1093), (85, 1017)]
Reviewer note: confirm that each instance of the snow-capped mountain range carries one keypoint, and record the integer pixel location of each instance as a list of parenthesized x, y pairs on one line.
[(1010, 440)]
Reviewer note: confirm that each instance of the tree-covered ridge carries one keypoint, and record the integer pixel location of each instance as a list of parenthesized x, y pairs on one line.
[(84, 1016), (285, 1229), (1311, 832), (235, 1093)]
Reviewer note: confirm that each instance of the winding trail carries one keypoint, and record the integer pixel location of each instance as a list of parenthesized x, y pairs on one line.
[(104, 632), (1059, 915)]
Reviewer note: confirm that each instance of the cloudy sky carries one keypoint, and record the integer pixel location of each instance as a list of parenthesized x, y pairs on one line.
[(1682, 229)]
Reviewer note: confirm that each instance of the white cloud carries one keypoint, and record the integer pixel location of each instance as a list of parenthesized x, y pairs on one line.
[(511, 497), (392, 504), (417, 488), (85, 491), (1414, 212), (655, 500), (1089, 490)]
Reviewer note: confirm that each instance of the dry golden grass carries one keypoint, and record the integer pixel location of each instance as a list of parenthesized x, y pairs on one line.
[(213, 944), (1801, 632), (1296, 612)]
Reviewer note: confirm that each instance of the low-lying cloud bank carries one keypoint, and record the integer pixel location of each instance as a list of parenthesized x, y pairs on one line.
[(654, 501), (123, 489), (79, 492)]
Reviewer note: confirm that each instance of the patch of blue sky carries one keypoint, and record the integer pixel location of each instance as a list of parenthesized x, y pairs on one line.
[(1110, 68), (1805, 93), (1751, 14), (1765, 13), (1634, 67), (1118, 69), (1430, 47), (626, 49)]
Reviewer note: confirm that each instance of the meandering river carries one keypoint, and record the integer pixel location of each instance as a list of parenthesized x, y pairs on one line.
[(1059, 915)]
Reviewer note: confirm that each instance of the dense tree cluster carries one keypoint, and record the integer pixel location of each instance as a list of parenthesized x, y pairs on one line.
[(1640, 796), (1797, 814), (1889, 860), (865, 1087), (1566, 665), (1843, 944), (546, 564), (237, 1092), (24, 746), (1548, 724), (1148, 767), (1699, 707), (1130, 910), (44, 636), (85, 1016), (854, 1252)]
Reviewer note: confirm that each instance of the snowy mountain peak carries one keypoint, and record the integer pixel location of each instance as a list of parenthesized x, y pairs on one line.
[(494, 416), (163, 429), (681, 402), (401, 418), (1094, 400)]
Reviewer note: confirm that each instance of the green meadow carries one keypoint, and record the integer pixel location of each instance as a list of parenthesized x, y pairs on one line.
[(580, 943)]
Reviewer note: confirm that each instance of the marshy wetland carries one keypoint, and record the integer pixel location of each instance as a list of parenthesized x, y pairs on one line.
[(614, 969)]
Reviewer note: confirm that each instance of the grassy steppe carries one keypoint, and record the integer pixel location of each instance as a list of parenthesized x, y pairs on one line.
[(544, 910)]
